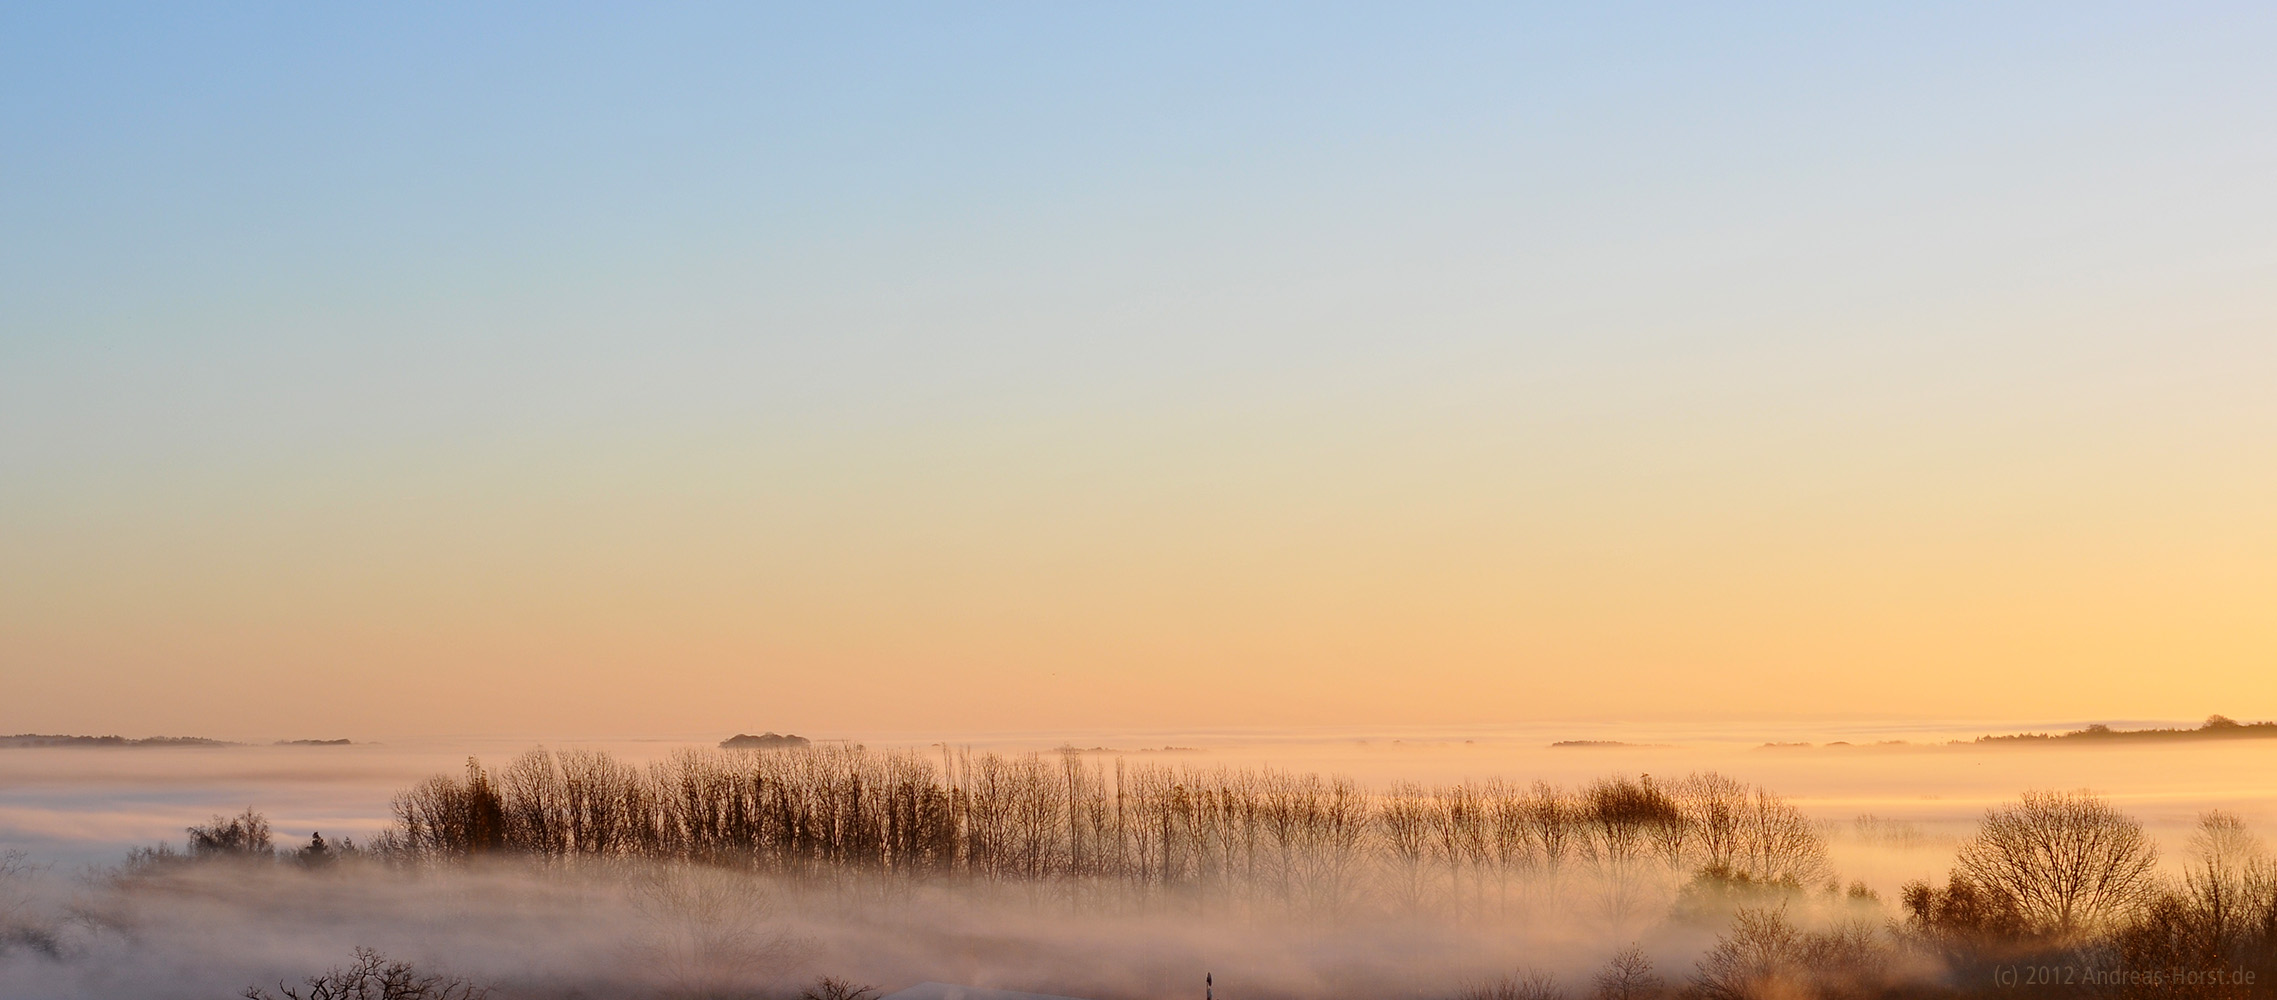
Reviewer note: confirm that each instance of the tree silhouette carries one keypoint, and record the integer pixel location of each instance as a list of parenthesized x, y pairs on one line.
[(2068, 862)]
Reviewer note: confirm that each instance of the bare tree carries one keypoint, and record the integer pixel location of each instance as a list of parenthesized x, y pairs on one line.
[(1628, 976), (1761, 957), (245, 835), (1713, 805), (834, 988), (15, 870), (2069, 861), (2230, 880), (1527, 984), (20, 925), (372, 977), (1777, 843), (709, 929), (1550, 818), (1403, 820), (1623, 820), (1765, 957)]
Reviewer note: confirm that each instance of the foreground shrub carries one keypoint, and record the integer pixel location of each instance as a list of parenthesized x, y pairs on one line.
[(20, 926), (834, 988), (1628, 976), (371, 976), (245, 835), (1526, 985), (1765, 957)]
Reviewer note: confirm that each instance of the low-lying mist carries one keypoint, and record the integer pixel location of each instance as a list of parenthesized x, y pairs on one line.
[(626, 928), (750, 874), (1337, 891)]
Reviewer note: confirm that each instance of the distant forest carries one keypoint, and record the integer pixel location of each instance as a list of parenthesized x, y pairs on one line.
[(2216, 727), (40, 740)]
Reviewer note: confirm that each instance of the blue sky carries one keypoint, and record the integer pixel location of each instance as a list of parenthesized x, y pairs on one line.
[(1929, 270), (1028, 179)]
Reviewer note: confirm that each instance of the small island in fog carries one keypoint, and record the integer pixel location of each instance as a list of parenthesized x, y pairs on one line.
[(764, 741)]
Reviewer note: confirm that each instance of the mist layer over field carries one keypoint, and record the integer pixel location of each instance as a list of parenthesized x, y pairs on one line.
[(629, 925), (82, 806), (676, 930)]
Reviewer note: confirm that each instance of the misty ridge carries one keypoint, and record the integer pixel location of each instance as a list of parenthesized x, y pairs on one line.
[(47, 741), (735, 873), (53, 741), (2216, 727)]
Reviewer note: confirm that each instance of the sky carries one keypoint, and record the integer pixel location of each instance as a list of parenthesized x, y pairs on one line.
[(854, 368)]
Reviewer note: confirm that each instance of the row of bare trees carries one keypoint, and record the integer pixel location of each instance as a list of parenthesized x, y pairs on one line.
[(2058, 888), (1259, 833)]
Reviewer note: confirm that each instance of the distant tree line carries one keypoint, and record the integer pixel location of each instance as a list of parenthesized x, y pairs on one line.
[(2216, 727), (1262, 834)]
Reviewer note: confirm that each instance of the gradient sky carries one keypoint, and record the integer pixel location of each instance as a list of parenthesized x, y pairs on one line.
[(861, 368)]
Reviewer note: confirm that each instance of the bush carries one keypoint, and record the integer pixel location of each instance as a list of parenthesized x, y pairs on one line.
[(19, 927), (245, 835), (834, 988), (371, 976), (1628, 976), (1527, 984), (1764, 957), (1962, 921), (1715, 893)]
